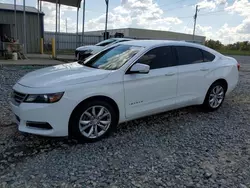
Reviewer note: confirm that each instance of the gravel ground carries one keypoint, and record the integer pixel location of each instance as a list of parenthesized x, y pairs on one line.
[(181, 148)]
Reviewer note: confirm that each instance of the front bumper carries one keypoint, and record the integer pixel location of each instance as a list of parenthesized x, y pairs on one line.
[(54, 114)]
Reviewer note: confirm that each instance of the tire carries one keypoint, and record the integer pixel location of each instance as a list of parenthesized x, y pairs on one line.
[(83, 121), (216, 92)]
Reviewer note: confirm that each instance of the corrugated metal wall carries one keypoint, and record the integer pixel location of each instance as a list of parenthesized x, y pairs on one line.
[(69, 41), (111, 32), (33, 40), (163, 35)]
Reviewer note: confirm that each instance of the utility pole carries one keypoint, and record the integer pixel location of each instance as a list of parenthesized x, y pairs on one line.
[(106, 23), (195, 18)]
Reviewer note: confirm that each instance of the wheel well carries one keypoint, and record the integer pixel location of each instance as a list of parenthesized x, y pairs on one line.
[(101, 98), (224, 82)]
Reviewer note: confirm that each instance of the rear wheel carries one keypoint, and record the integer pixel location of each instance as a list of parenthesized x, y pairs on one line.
[(215, 96), (93, 120)]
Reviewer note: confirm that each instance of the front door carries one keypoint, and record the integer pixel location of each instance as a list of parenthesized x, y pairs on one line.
[(155, 91)]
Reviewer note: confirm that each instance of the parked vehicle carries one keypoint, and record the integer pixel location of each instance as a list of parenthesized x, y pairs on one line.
[(121, 83), (83, 52)]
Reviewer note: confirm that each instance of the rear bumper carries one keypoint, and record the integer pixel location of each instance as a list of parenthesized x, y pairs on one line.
[(233, 81)]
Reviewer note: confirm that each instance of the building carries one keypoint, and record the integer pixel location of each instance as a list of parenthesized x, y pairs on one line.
[(34, 29), (151, 34)]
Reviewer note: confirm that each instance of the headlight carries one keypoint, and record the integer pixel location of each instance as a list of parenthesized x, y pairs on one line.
[(44, 98)]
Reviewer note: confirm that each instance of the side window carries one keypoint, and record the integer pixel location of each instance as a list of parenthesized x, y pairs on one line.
[(208, 56), (189, 55), (159, 57)]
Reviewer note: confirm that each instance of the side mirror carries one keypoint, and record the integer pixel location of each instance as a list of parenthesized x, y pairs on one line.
[(139, 68)]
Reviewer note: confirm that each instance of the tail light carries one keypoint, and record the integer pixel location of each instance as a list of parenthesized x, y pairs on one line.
[(238, 66)]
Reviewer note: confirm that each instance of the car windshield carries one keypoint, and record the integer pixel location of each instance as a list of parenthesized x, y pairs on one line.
[(105, 42), (112, 58)]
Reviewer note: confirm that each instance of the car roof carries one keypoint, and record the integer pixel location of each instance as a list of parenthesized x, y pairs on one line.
[(149, 43), (118, 39), (154, 43)]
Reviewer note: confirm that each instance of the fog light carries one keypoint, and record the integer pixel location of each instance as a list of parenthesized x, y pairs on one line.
[(39, 125)]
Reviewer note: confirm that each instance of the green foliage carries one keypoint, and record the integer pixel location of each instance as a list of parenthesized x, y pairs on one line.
[(234, 52), (214, 44), (238, 46)]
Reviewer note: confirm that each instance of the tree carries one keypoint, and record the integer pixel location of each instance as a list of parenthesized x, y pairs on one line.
[(214, 44)]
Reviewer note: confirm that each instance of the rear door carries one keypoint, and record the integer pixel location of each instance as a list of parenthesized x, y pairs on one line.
[(193, 67)]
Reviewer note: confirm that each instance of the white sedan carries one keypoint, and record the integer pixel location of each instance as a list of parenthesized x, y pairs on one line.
[(123, 82)]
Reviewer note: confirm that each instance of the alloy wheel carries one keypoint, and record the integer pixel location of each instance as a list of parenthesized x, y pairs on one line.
[(216, 96), (94, 122)]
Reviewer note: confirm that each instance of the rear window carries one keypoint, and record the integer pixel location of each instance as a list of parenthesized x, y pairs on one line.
[(189, 55), (207, 56)]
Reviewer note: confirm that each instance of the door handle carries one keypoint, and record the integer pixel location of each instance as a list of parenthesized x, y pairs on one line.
[(170, 74), (204, 69)]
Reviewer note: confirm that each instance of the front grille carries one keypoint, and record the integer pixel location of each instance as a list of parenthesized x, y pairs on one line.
[(18, 97)]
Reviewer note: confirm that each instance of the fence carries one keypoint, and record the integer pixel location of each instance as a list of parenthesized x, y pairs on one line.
[(69, 41)]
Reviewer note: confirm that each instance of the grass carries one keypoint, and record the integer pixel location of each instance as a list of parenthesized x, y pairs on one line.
[(234, 52)]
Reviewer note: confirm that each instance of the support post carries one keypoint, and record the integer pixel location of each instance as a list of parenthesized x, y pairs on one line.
[(83, 21), (66, 25), (106, 23), (38, 25), (41, 45), (77, 27), (15, 29), (53, 44), (59, 21), (56, 31), (24, 28)]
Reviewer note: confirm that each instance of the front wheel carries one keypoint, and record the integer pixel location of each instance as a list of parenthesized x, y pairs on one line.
[(215, 96), (93, 120)]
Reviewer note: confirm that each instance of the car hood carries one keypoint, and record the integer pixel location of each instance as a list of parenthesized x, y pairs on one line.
[(91, 48), (62, 75)]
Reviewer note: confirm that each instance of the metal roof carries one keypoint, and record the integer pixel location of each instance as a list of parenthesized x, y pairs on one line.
[(4, 6), (72, 3)]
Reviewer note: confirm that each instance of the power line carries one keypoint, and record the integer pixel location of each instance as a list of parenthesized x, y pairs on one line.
[(169, 4), (171, 9), (204, 14)]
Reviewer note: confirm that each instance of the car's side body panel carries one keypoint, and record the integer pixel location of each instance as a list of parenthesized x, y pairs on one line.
[(136, 95), (145, 93)]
